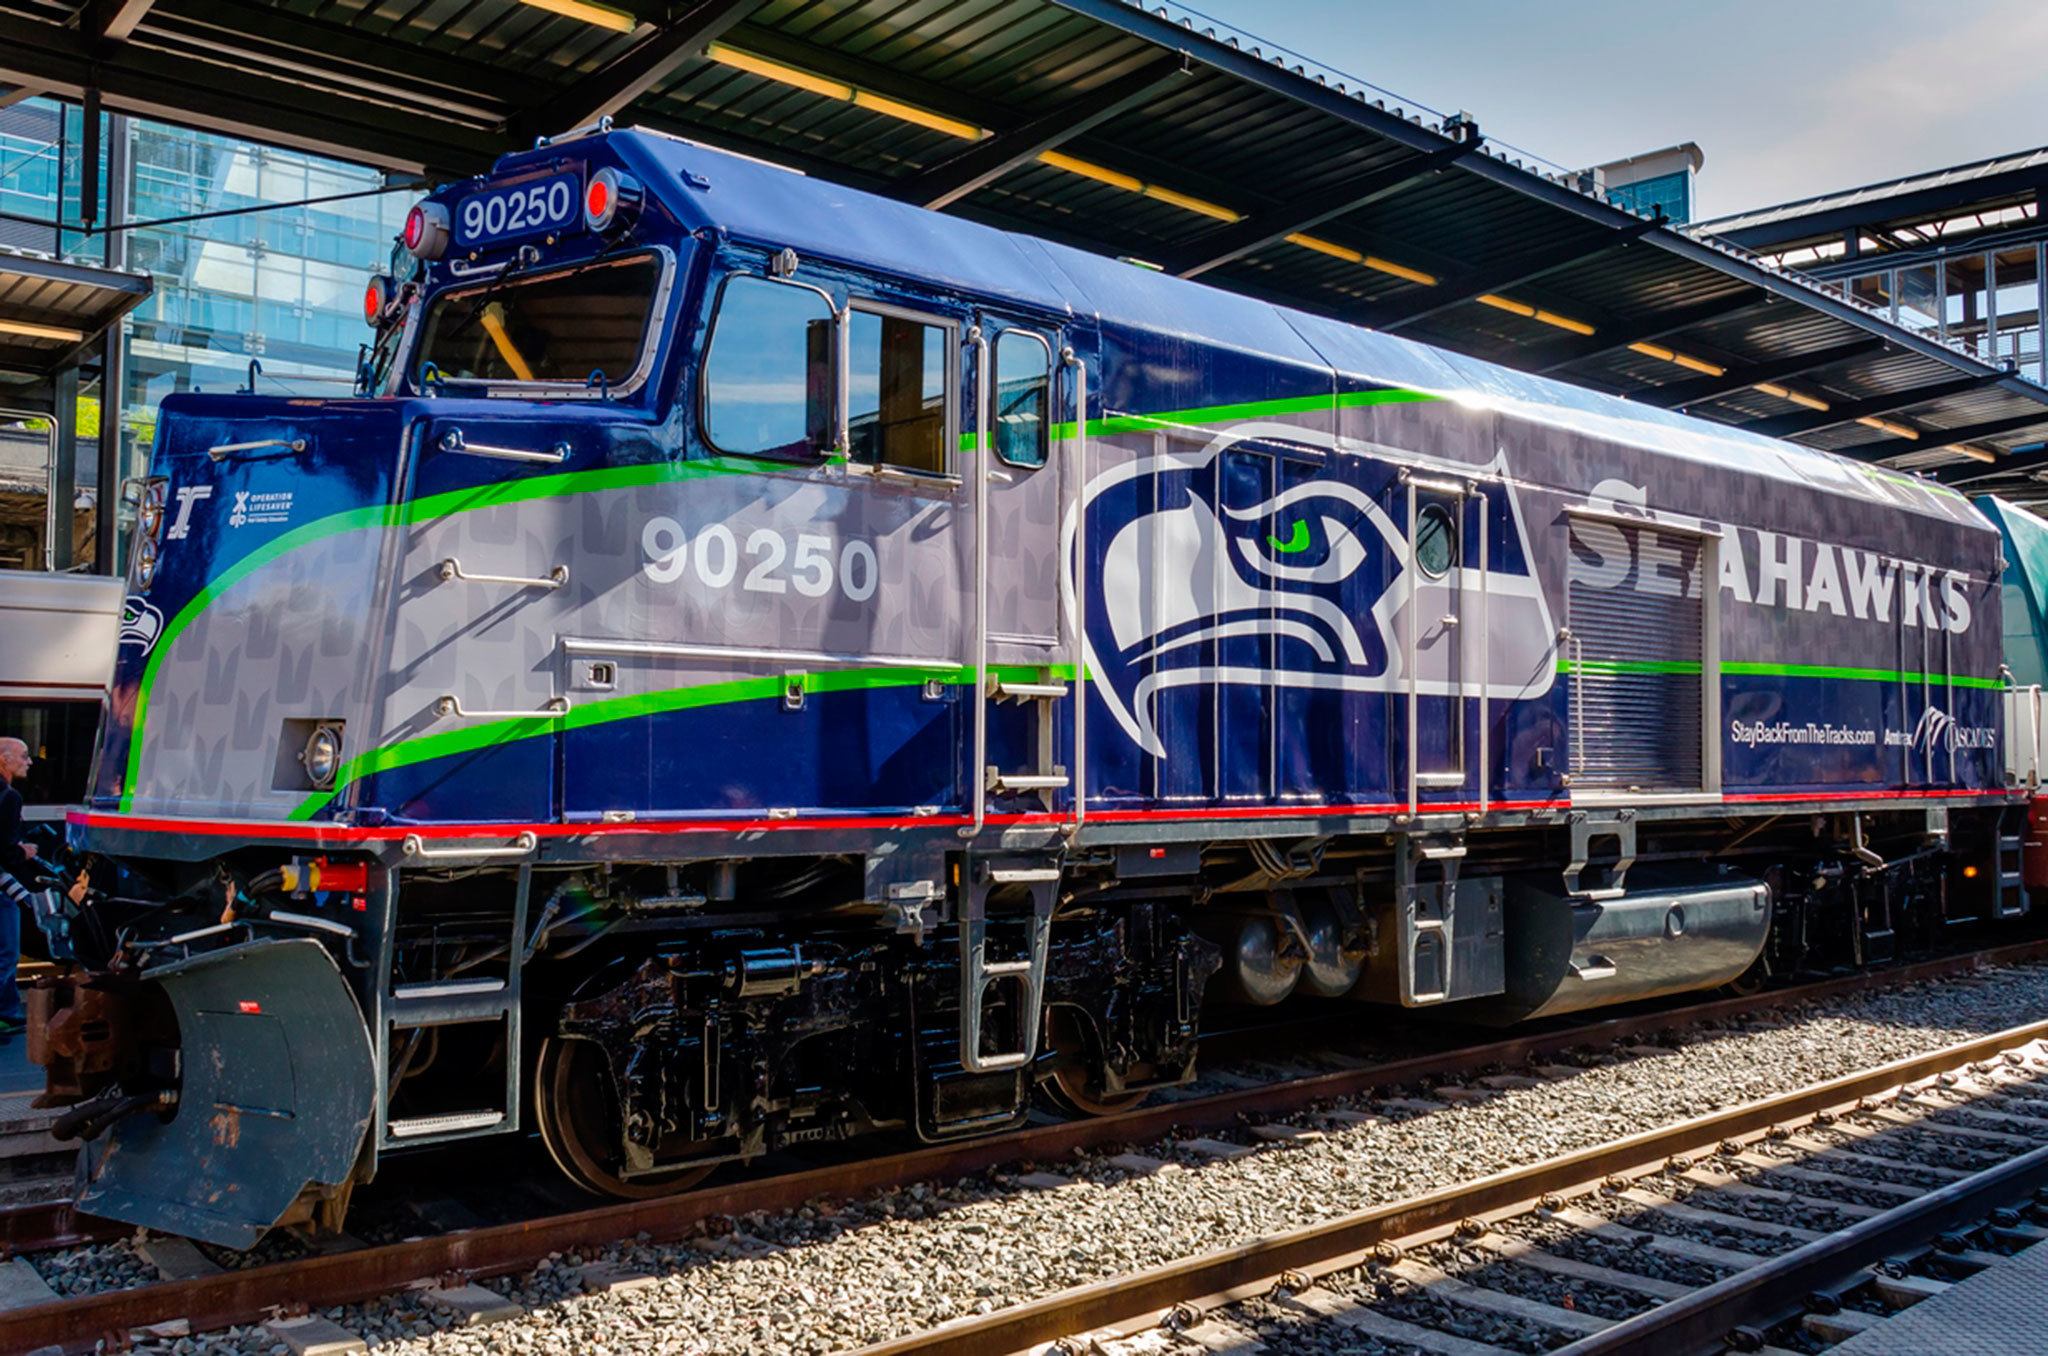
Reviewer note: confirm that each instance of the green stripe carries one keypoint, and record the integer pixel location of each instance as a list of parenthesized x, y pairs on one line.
[(1221, 414), (1629, 665), (1748, 669), (490, 734), (623, 477), (1859, 675), (401, 515)]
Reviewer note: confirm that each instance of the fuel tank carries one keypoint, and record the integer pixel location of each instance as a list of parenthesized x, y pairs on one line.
[(1661, 936)]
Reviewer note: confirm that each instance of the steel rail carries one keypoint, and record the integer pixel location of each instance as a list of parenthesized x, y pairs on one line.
[(1777, 1288), (249, 1294), (1251, 1268)]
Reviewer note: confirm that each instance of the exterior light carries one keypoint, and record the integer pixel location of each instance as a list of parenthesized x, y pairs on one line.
[(426, 231), (603, 16), (145, 563), (611, 199), (378, 297), (28, 331), (322, 756)]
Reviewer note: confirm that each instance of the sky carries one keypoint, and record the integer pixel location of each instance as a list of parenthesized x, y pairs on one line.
[(1786, 98)]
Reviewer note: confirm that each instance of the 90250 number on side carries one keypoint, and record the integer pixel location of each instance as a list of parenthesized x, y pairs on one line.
[(767, 561)]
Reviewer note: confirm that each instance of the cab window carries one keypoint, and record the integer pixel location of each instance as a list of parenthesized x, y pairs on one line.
[(768, 375), (1023, 405), (581, 324), (900, 374)]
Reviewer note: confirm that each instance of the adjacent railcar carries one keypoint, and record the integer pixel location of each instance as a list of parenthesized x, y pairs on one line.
[(762, 663)]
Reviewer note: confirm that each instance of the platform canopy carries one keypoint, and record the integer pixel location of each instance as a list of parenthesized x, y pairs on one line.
[(50, 310), (1143, 133)]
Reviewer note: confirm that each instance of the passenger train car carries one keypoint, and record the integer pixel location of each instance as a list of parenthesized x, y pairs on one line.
[(761, 663)]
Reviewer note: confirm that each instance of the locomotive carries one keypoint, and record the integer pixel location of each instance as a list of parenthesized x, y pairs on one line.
[(758, 663)]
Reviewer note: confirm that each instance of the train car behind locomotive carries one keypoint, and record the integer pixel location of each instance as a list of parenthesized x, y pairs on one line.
[(760, 663)]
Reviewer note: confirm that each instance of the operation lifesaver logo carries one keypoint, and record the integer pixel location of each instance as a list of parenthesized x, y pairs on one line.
[(267, 506)]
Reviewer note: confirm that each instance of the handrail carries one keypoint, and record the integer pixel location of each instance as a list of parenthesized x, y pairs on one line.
[(451, 705), (977, 768), (222, 451), (454, 441), (415, 847), (451, 570), (1080, 469)]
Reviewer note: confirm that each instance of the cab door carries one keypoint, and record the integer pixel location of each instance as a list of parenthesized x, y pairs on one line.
[(1023, 757), (1440, 632)]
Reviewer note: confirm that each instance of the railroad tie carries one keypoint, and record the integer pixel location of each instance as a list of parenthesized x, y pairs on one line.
[(1720, 1219), (314, 1336), (1324, 1305), (1427, 1277), (1585, 1221), (1525, 1253)]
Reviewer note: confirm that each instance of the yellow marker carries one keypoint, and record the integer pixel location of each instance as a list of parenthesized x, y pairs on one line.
[(494, 325)]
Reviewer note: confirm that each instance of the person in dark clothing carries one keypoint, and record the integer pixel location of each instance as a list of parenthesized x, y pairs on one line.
[(15, 856)]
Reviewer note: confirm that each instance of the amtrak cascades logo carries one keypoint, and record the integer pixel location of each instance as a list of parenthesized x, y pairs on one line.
[(141, 624), (1939, 731), (1274, 556)]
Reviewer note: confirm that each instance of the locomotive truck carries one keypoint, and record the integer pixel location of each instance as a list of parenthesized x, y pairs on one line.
[(758, 663)]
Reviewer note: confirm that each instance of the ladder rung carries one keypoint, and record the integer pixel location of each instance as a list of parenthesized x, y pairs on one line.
[(1022, 875), (446, 988), (1005, 687), (1019, 781), (418, 1126)]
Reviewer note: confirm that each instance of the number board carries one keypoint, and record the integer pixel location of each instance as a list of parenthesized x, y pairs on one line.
[(500, 213)]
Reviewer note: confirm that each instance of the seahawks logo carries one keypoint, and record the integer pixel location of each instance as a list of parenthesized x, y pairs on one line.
[(1274, 556), (141, 624)]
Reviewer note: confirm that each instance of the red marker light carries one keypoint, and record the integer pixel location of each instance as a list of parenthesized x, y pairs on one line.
[(426, 231), (610, 200), (249, 1007)]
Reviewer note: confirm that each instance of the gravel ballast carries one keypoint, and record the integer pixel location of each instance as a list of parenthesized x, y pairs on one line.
[(831, 1277)]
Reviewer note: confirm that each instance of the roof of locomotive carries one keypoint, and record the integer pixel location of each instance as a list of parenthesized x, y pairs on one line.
[(760, 203)]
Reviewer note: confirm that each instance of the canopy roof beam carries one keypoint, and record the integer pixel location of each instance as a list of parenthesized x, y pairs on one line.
[(112, 20), (1638, 330), (1511, 270), (609, 89), (1804, 422), (1934, 438), (981, 164), (1261, 229), (1682, 393)]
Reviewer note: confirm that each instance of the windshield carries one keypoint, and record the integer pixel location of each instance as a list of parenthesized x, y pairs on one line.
[(567, 326)]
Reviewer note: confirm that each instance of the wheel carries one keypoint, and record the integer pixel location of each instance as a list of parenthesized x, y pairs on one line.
[(578, 1115), (1068, 1088)]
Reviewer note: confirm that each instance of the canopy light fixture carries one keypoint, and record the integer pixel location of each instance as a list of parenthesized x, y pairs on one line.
[(32, 331), (1523, 308), (603, 16), (1787, 393), (1685, 360), (1984, 454), (1374, 262), (1887, 426)]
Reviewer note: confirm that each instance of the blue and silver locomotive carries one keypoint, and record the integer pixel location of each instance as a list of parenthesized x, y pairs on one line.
[(761, 663)]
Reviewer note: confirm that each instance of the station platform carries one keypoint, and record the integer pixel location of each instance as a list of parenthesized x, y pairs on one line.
[(1997, 1312)]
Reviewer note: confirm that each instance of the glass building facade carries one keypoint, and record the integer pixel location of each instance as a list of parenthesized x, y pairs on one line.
[(283, 287)]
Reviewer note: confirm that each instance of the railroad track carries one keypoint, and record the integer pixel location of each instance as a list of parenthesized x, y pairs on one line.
[(255, 1292), (1814, 1216)]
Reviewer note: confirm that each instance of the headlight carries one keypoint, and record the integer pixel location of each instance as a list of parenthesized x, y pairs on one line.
[(145, 563), (322, 756)]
